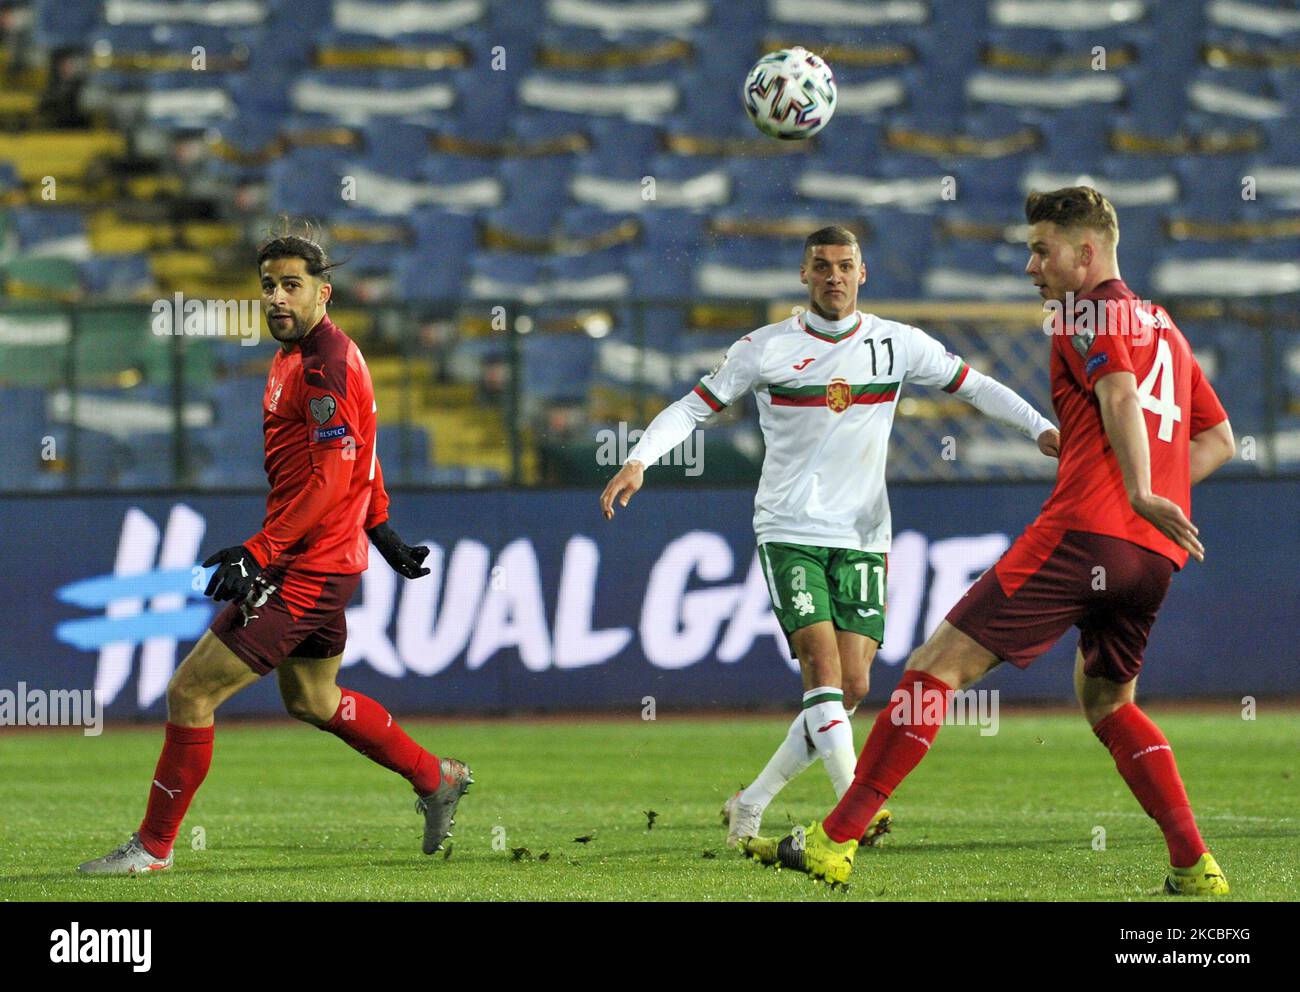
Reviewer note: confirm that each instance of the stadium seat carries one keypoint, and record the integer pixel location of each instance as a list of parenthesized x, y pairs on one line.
[(405, 452), (557, 366)]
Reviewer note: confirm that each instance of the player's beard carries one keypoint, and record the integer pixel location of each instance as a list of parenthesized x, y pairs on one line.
[(295, 331)]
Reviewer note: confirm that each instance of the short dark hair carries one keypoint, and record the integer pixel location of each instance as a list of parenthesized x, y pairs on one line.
[(833, 235), (302, 239), (1074, 206)]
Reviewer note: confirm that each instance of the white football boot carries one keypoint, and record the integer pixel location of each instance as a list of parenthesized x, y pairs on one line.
[(129, 859)]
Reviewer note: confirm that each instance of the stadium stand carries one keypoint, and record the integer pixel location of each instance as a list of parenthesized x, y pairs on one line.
[(587, 170)]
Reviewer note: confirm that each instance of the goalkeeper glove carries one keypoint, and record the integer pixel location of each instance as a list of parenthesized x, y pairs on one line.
[(404, 559), (236, 571)]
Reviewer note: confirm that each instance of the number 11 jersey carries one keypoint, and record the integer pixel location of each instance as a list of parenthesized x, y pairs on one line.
[(826, 404)]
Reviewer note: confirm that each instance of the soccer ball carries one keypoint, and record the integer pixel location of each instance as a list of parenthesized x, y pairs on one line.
[(790, 94)]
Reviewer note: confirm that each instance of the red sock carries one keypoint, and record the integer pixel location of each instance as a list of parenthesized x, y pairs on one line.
[(181, 769), (1146, 761), (902, 734), (365, 726)]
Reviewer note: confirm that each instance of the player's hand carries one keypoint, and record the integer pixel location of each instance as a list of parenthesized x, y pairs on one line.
[(402, 558), (1168, 518), (622, 487), (236, 571), (1049, 442)]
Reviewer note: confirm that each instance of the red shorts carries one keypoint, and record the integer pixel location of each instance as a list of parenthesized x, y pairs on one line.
[(1051, 580), (305, 617)]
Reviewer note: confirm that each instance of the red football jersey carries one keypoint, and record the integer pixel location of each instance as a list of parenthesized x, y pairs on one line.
[(1113, 331), (327, 489)]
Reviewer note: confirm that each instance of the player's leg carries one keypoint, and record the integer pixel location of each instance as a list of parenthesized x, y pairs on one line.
[(817, 652), (905, 729), (856, 653), (1109, 657), (825, 719), (309, 688), (310, 691), (210, 674), (797, 583), (856, 580), (1013, 612)]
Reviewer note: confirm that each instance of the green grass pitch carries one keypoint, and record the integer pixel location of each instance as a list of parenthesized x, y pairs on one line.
[(290, 813)]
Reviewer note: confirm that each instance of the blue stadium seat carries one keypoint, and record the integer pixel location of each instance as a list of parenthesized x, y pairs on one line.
[(618, 140), (306, 180), (850, 146), (653, 327), (659, 275), (424, 276), (504, 275), (674, 229), (485, 103), (585, 222), (535, 218), (395, 148), (59, 25), (595, 275), (557, 366), (405, 452), (439, 168), (537, 184), (40, 225), (117, 276)]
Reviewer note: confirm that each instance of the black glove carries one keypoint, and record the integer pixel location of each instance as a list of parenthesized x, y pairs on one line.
[(236, 570), (403, 559)]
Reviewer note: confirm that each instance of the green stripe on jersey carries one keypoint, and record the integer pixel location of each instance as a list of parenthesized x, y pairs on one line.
[(710, 395), (823, 697), (800, 392)]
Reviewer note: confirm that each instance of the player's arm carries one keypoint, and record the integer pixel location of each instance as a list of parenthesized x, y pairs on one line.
[(1126, 430), (405, 560), (1212, 442), (238, 567), (1211, 449), (669, 428), (377, 511), (1006, 406), (735, 375), (331, 474), (930, 365)]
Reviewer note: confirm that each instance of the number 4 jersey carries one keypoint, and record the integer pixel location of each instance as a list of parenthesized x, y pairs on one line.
[(827, 393), (1113, 331)]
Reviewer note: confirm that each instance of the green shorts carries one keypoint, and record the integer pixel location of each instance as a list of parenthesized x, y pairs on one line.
[(810, 584)]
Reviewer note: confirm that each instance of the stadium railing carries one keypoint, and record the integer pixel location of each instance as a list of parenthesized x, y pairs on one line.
[(166, 395)]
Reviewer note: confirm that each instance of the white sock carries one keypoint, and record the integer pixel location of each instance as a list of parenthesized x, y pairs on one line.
[(792, 757), (831, 733)]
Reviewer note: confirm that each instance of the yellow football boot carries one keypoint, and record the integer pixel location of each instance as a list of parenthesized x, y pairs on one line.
[(1205, 878), (812, 852)]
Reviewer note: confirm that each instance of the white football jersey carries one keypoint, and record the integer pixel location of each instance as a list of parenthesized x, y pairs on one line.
[(826, 403)]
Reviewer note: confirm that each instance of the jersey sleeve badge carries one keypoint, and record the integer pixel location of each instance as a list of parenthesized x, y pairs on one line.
[(322, 408)]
